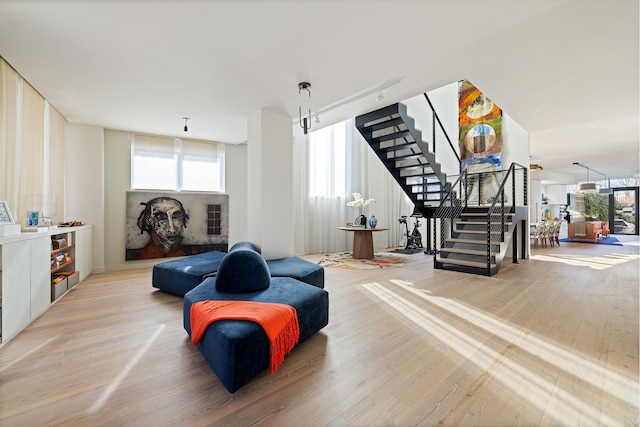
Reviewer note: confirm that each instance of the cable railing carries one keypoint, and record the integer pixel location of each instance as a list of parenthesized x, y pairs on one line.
[(511, 194), (500, 192), (428, 122)]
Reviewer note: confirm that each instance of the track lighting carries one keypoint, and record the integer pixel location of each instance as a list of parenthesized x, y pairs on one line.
[(590, 187), (185, 123)]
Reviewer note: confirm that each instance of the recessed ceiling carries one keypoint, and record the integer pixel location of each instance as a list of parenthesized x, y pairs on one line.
[(566, 71)]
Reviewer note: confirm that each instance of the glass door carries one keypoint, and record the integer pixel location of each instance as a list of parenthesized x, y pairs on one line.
[(623, 210)]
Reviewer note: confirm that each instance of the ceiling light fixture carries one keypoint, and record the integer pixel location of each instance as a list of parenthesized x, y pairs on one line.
[(186, 119), (305, 122), (380, 96), (590, 187)]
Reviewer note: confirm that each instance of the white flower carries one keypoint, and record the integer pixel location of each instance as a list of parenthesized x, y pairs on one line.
[(359, 202)]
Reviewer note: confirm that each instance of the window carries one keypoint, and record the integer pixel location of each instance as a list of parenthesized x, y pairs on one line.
[(214, 219), (175, 164), (328, 161)]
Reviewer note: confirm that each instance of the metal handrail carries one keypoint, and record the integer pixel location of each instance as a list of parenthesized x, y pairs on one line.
[(433, 110), (500, 200)]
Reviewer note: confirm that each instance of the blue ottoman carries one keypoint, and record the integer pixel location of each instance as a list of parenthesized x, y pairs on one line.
[(238, 350), (297, 268), (181, 275)]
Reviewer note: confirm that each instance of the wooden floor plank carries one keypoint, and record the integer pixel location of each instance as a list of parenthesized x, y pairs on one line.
[(556, 334)]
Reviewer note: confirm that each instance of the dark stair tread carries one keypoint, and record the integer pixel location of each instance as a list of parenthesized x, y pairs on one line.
[(480, 222), (471, 241), (466, 251), (464, 262), (485, 213), (391, 122), (477, 231), (390, 137), (406, 145)]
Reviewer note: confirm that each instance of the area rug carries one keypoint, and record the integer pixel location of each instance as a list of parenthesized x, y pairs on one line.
[(380, 260), (603, 241)]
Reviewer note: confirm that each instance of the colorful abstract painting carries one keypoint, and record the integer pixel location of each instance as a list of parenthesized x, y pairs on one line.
[(480, 142), (480, 129)]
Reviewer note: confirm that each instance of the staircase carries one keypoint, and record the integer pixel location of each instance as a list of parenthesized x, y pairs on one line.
[(469, 235), (475, 232), (392, 135)]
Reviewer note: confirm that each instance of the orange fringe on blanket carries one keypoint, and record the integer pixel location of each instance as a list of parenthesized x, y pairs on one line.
[(279, 321)]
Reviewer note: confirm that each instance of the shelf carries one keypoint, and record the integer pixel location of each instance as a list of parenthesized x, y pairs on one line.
[(61, 249), (61, 266)]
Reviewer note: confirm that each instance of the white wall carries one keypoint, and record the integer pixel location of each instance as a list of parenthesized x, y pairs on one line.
[(236, 187), (270, 172), (84, 183), (117, 161)]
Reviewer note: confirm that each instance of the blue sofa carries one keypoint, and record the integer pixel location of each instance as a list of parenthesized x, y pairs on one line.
[(181, 275), (238, 350)]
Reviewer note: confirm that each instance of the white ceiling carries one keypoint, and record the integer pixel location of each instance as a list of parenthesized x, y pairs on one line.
[(566, 71)]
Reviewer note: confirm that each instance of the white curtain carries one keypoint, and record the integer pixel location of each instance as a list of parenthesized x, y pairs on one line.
[(330, 165), (31, 148)]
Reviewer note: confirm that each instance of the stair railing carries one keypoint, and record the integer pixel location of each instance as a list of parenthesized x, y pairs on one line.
[(427, 120), (436, 118), (511, 193), (450, 208)]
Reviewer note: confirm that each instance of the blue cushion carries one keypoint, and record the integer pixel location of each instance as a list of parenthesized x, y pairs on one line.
[(242, 270), (299, 269), (181, 275), (238, 350), (244, 245)]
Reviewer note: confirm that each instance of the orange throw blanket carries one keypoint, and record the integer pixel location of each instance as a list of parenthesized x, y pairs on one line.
[(279, 321)]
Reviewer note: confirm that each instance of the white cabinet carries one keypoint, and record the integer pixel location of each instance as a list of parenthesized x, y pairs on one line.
[(84, 252), (16, 291), (40, 276), (25, 283), (25, 275)]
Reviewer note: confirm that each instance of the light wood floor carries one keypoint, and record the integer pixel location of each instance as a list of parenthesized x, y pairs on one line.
[(551, 341)]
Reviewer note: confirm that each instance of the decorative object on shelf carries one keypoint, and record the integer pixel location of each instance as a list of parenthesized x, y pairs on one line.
[(49, 209), (5, 213), (8, 226), (361, 204), (373, 221), (32, 218)]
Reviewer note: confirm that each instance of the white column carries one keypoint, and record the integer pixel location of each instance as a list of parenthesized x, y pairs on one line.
[(270, 222)]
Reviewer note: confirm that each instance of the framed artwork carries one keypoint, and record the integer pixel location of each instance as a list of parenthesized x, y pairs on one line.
[(171, 224), (5, 213), (32, 218)]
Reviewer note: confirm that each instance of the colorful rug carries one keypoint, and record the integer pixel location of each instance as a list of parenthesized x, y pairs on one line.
[(603, 241), (380, 260)]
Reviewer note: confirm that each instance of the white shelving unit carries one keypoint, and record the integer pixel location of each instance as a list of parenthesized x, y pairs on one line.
[(25, 275)]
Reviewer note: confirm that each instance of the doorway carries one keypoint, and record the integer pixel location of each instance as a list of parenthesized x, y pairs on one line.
[(623, 210)]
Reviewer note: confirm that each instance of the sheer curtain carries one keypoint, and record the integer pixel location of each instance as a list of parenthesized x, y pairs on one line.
[(31, 148), (331, 164)]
